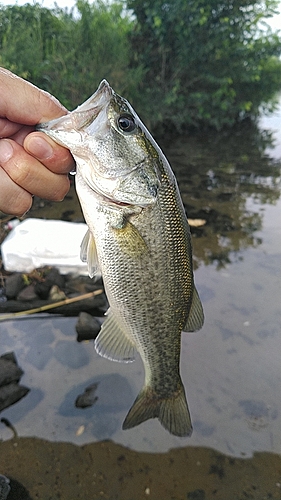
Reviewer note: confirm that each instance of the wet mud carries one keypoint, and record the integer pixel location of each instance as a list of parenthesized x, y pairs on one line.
[(105, 470)]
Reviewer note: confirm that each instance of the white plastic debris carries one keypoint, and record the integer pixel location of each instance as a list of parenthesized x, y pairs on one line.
[(36, 243)]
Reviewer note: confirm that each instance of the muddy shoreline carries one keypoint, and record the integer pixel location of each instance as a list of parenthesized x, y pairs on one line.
[(53, 471)]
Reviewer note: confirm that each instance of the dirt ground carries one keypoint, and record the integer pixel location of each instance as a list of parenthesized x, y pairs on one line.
[(44, 470)]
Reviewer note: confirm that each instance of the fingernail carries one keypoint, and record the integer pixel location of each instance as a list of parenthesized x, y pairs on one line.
[(6, 151), (39, 148)]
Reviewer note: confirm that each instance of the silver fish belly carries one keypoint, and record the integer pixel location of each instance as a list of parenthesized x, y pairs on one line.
[(140, 240)]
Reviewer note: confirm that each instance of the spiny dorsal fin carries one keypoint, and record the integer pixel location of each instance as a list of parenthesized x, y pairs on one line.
[(88, 253), (113, 343), (195, 318)]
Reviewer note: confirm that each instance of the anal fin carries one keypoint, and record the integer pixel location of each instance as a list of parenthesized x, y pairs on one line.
[(113, 343)]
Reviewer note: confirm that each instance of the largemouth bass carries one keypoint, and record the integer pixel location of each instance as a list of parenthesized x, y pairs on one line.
[(139, 239)]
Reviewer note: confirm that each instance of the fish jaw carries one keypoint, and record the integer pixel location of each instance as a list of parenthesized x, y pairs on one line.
[(68, 130)]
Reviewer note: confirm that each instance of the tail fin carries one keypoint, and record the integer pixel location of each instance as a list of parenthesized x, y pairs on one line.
[(172, 412)]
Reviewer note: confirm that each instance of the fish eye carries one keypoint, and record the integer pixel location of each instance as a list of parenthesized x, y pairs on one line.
[(126, 123)]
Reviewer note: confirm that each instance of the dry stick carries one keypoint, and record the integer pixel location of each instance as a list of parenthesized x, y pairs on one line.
[(51, 306)]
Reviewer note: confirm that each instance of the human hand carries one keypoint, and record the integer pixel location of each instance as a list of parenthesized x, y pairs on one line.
[(30, 162)]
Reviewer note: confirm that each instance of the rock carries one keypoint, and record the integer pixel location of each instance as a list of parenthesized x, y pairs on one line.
[(14, 284), (82, 284), (4, 487), (18, 491), (10, 356), (3, 297), (10, 374), (52, 277), (9, 369), (11, 393), (56, 294), (87, 327), (27, 294), (88, 397)]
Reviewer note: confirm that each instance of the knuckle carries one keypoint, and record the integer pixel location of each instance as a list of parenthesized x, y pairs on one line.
[(17, 205), (20, 173)]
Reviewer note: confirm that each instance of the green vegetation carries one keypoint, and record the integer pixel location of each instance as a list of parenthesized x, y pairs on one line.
[(66, 54), (181, 63)]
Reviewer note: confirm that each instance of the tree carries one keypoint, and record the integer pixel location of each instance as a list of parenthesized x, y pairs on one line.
[(66, 54), (27, 37), (180, 62), (206, 61)]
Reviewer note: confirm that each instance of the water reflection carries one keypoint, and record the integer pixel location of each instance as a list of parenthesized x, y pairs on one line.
[(232, 182), (218, 175)]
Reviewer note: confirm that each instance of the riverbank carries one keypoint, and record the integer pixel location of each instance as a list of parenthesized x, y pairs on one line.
[(105, 470)]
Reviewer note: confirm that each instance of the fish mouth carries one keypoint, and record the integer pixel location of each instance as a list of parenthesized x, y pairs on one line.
[(79, 118)]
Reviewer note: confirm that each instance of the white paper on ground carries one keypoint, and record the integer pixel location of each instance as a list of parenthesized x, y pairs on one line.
[(37, 242)]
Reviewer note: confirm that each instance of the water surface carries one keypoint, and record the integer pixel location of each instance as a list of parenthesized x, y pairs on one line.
[(231, 368)]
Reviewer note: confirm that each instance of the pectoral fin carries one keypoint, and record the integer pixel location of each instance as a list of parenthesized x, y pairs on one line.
[(130, 240), (113, 343), (88, 253), (196, 315)]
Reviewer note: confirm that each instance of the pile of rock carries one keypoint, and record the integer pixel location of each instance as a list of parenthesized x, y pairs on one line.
[(23, 291)]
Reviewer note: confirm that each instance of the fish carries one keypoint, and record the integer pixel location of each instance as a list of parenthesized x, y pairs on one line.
[(139, 239)]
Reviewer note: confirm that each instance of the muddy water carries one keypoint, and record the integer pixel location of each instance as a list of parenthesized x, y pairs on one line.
[(231, 368)]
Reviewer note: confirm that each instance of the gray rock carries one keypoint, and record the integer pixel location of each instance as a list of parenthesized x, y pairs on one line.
[(4, 487), (10, 356), (9, 369), (88, 398), (10, 374), (14, 284), (87, 327), (52, 277), (27, 294), (18, 491), (10, 394)]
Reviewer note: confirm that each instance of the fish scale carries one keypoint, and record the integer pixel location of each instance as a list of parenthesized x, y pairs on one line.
[(139, 238)]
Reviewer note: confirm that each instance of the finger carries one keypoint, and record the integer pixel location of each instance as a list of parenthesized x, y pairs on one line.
[(56, 158), (28, 173), (8, 128), (21, 134), (22, 102), (14, 200)]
